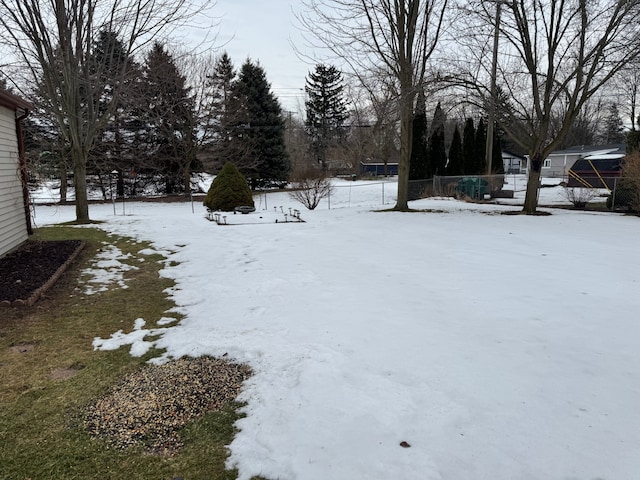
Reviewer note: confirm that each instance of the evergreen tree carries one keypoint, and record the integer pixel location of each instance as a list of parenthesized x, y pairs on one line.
[(454, 166), (115, 148), (419, 166), (437, 151), (480, 150), (633, 141), (613, 126), (225, 117), (326, 110), (497, 164), (170, 119), (468, 147), (228, 190), (263, 135)]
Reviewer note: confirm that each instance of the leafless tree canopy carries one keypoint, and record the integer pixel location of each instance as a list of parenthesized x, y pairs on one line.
[(397, 36), (54, 40), (554, 56)]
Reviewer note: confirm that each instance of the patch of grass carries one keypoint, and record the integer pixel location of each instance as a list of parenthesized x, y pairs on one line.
[(41, 435)]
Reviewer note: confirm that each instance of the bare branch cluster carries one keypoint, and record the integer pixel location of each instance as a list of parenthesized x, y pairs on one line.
[(310, 185)]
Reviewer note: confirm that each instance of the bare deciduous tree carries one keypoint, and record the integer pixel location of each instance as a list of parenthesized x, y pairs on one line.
[(399, 35), (55, 39), (555, 56)]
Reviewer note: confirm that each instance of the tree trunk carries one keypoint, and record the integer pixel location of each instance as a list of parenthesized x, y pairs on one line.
[(120, 184), (79, 159), (406, 131), (533, 185), (63, 182), (187, 178)]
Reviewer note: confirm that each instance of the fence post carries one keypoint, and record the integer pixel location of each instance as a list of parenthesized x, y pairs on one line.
[(613, 194), (382, 193)]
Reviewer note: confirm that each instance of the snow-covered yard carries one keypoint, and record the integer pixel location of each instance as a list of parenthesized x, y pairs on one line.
[(498, 347)]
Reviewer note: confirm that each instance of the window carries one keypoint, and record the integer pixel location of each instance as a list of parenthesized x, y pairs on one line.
[(546, 164)]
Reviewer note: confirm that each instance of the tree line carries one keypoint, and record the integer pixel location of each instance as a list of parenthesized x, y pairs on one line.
[(111, 114)]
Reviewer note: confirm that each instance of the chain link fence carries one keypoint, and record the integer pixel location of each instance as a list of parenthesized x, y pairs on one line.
[(625, 194), (476, 187)]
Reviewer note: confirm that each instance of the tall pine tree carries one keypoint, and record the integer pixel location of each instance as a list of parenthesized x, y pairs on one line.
[(454, 166), (480, 150), (170, 120), (419, 166), (227, 118), (613, 127), (437, 151), (116, 146), (468, 147), (497, 164), (261, 116), (326, 110)]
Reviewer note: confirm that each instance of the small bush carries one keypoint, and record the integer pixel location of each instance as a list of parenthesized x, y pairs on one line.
[(228, 190), (580, 196), (310, 186)]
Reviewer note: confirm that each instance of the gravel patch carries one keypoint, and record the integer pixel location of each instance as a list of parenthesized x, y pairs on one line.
[(148, 407)]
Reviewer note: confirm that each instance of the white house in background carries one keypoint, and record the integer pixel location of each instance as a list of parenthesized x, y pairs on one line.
[(513, 163), (15, 221), (558, 163)]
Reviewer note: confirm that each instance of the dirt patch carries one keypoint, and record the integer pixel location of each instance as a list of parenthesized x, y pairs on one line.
[(22, 348), (26, 273), (65, 373)]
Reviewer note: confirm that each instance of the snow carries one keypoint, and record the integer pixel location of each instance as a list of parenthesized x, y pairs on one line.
[(106, 269), (497, 346)]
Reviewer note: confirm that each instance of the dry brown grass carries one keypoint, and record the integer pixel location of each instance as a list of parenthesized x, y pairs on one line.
[(50, 373)]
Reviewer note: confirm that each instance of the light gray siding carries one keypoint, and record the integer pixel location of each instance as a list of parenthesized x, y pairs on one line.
[(13, 227)]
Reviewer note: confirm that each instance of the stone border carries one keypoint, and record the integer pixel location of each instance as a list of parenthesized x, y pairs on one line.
[(35, 296)]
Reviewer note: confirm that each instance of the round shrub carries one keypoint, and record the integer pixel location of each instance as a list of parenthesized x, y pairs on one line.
[(228, 190)]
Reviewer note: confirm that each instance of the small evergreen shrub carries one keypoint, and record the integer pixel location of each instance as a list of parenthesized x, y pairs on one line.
[(228, 191)]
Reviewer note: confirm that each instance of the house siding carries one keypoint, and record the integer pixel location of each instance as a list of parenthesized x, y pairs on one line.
[(13, 228)]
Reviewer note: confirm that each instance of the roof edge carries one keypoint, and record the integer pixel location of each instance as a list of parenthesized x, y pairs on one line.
[(12, 101)]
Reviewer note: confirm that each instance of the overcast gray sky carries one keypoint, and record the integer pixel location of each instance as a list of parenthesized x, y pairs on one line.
[(263, 30)]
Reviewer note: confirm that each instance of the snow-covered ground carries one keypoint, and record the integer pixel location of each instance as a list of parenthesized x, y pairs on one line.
[(498, 347)]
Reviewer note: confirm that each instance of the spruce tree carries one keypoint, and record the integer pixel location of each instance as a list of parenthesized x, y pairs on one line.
[(260, 116), (480, 150), (326, 110), (468, 147), (454, 166), (224, 122), (116, 148), (419, 166), (169, 116), (437, 151)]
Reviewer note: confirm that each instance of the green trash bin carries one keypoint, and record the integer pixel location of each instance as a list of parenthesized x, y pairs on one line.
[(473, 187)]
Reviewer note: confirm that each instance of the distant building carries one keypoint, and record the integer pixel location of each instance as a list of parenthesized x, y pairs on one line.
[(15, 221), (596, 171), (377, 167), (558, 163), (513, 164)]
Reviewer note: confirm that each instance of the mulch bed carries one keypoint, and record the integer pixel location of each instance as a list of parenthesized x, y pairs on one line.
[(26, 273)]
